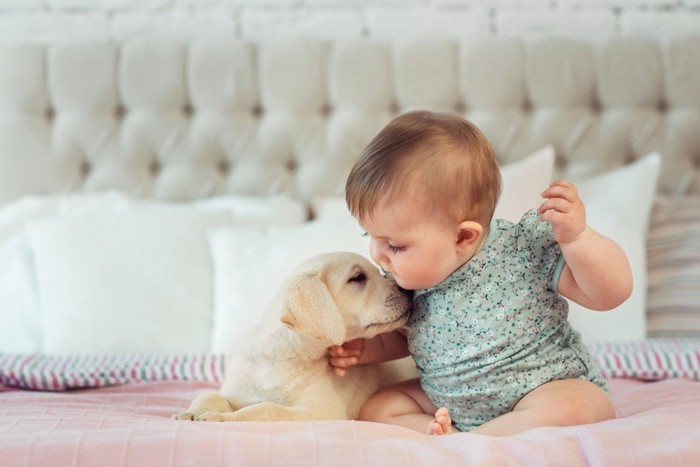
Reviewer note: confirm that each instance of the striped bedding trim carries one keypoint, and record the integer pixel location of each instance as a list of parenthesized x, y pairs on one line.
[(673, 265), (63, 372), (652, 359)]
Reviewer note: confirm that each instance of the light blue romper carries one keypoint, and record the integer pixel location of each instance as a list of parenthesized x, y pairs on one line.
[(497, 327)]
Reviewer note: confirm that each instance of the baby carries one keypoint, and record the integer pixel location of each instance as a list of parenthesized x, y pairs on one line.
[(489, 330)]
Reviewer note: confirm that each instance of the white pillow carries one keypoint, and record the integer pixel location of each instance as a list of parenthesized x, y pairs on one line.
[(21, 329), (250, 266), (618, 205), (258, 211), (523, 181), (122, 282), (20, 314)]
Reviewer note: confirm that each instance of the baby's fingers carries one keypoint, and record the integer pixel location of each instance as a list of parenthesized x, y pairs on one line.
[(340, 351), (555, 204), (552, 216), (342, 362), (561, 189)]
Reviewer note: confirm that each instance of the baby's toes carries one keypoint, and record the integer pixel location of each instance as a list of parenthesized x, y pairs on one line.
[(443, 421)]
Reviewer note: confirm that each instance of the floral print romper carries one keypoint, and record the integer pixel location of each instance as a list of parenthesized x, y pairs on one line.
[(497, 327)]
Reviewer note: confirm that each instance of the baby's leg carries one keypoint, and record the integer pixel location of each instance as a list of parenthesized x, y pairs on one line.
[(557, 403), (403, 404)]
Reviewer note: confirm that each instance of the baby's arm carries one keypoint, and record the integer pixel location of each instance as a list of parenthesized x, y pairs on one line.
[(381, 348), (597, 274)]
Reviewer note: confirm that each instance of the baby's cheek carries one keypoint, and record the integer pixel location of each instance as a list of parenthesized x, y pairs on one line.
[(408, 282)]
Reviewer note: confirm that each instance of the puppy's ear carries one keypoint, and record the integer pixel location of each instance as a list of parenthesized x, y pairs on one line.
[(309, 309)]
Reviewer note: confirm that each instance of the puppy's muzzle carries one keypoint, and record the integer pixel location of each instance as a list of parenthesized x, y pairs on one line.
[(408, 293)]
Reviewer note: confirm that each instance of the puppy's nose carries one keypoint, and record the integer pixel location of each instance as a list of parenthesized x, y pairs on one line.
[(385, 274)]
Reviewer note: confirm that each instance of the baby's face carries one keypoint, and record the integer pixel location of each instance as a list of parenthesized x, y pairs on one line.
[(416, 248)]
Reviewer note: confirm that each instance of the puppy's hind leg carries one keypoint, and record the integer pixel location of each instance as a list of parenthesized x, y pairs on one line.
[(273, 412), (206, 403)]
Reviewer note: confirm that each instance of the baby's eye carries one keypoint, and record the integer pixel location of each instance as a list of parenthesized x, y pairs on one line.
[(395, 249)]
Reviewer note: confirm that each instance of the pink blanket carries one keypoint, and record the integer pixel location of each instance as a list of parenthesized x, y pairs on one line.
[(658, 424)]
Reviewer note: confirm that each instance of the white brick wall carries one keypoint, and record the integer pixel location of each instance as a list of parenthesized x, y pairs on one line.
[(589, 22), (420, 20), (48, 20), (338, 21)]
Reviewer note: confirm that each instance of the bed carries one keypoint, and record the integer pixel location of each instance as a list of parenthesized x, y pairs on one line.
[(154, 194)]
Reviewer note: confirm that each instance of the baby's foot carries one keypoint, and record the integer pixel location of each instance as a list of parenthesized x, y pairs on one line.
[(441, 424)]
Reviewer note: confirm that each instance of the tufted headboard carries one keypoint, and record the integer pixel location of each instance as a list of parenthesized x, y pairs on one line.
[(180, 121)]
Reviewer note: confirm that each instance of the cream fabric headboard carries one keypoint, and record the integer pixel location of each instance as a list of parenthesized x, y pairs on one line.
[(181, 121)]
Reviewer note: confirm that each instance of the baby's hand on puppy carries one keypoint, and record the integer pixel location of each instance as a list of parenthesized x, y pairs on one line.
[(344, 356)]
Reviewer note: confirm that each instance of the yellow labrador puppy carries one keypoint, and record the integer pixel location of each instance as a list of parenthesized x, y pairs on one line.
[(281, 372)]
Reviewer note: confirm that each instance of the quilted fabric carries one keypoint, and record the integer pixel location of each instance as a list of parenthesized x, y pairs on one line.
[(130, 425), (182, 121)]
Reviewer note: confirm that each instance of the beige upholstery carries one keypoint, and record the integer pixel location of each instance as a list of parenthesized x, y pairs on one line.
[(182, 121)]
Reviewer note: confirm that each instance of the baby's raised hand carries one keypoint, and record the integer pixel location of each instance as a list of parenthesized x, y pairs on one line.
[(565, 210), (343, 356)]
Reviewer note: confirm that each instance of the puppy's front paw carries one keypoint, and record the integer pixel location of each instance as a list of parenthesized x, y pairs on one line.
[(205, 407), (199, 416), (184, 416), (208, 417)]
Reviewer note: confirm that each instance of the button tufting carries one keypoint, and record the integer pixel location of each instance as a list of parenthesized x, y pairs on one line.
[(224, 167), (600, 119), (560, 162), (85, 169), (154, 167)]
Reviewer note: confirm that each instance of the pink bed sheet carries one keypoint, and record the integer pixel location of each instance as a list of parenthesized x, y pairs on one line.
[(658, 425)]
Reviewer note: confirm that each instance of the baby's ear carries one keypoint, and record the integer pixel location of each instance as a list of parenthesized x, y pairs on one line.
[(469, 234), (309, 309)]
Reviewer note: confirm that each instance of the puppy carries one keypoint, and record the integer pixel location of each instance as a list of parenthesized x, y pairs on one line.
[(281, 371)]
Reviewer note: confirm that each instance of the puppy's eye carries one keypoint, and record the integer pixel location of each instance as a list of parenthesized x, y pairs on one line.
[(359, 278)]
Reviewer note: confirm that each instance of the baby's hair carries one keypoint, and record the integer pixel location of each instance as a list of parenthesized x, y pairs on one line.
[(435, 158)]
